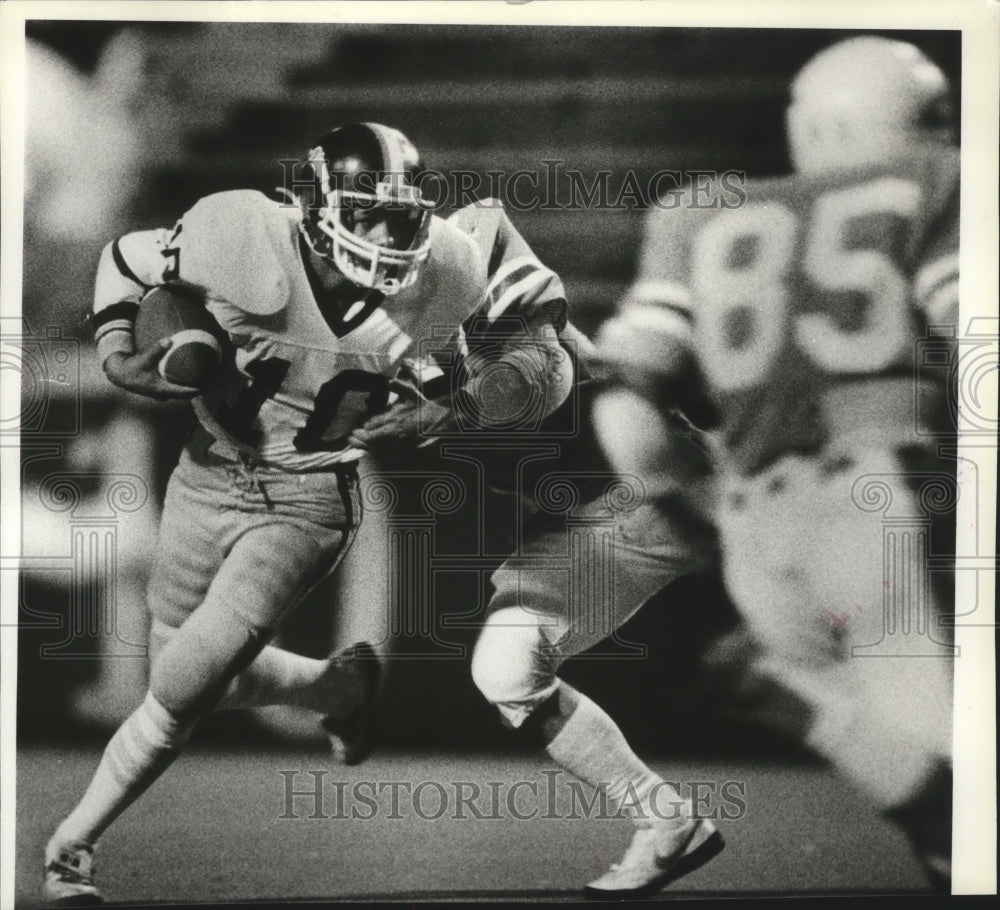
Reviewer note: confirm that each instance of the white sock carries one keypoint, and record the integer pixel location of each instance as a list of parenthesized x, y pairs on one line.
[(143, 747), (275, 677), (591, 746), (279, 677)]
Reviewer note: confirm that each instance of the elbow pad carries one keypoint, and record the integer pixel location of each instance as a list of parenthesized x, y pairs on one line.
[(522, 387)]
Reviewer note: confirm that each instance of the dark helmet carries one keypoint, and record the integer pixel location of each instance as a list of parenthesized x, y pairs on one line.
[(366, 171)]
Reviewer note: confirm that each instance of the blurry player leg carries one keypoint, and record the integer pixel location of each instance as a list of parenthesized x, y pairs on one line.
[(898, 742), (814, 593), (764, 526), (881, 590), (537, 623), (669, 455)]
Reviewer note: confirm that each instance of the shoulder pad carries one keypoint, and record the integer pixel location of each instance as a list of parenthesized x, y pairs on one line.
[(236, 246), (482, 221), (453, 280), (456, 252)]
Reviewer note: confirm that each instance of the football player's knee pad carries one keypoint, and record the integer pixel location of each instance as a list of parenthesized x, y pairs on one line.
[(193, 667), (514, 664)]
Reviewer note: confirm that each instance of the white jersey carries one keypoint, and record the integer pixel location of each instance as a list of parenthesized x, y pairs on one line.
[(805, 307), (301, 372)]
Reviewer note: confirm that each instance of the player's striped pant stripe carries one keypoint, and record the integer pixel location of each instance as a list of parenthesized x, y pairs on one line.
[(124, 268)]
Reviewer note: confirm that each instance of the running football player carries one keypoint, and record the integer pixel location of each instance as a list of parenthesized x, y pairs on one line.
[(540, 614), (322, 300), (801, 311)]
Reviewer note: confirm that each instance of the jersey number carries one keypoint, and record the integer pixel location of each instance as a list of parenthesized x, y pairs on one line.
[(323, 431), (172, 269), (756, 290)]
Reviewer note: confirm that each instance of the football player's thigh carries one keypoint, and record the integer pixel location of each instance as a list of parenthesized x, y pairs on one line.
[(652, 548), (266, 573), (846, 563), (885, 617), (190, 549), (532, 596), (860, 561), (609, 570), (768, 527)]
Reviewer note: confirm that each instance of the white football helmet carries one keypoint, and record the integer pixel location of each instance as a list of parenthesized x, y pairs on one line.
[(863, 100)]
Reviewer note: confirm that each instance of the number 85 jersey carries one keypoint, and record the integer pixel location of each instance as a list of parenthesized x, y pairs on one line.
[(303, 371), (804, 306)]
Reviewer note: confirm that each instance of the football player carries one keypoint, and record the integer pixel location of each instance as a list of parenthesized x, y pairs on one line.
[(801, 312), (321, 299), (520, 343)]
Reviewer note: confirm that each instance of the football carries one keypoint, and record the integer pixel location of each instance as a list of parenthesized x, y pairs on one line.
[(179, 312)]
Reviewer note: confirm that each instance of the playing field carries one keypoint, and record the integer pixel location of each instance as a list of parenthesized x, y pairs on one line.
[(212, 829)]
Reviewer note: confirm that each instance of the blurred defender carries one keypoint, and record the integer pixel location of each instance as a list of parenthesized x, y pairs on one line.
[(800, 312), (322, 302), (539, 616)]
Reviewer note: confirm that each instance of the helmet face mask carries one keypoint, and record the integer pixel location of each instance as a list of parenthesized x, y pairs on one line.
[(366, 214)]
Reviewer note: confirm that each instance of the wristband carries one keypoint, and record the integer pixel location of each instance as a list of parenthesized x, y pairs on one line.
[(114, 330)]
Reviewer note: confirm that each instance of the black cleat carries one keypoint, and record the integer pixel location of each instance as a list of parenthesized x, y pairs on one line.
[(351, 735)]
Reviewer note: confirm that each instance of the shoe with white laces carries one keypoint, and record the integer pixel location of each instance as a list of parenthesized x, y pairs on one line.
[(659, 854), (351, 735), (69, 875)]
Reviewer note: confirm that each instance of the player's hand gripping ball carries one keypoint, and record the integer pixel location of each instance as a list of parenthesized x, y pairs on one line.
[(178, 312)]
